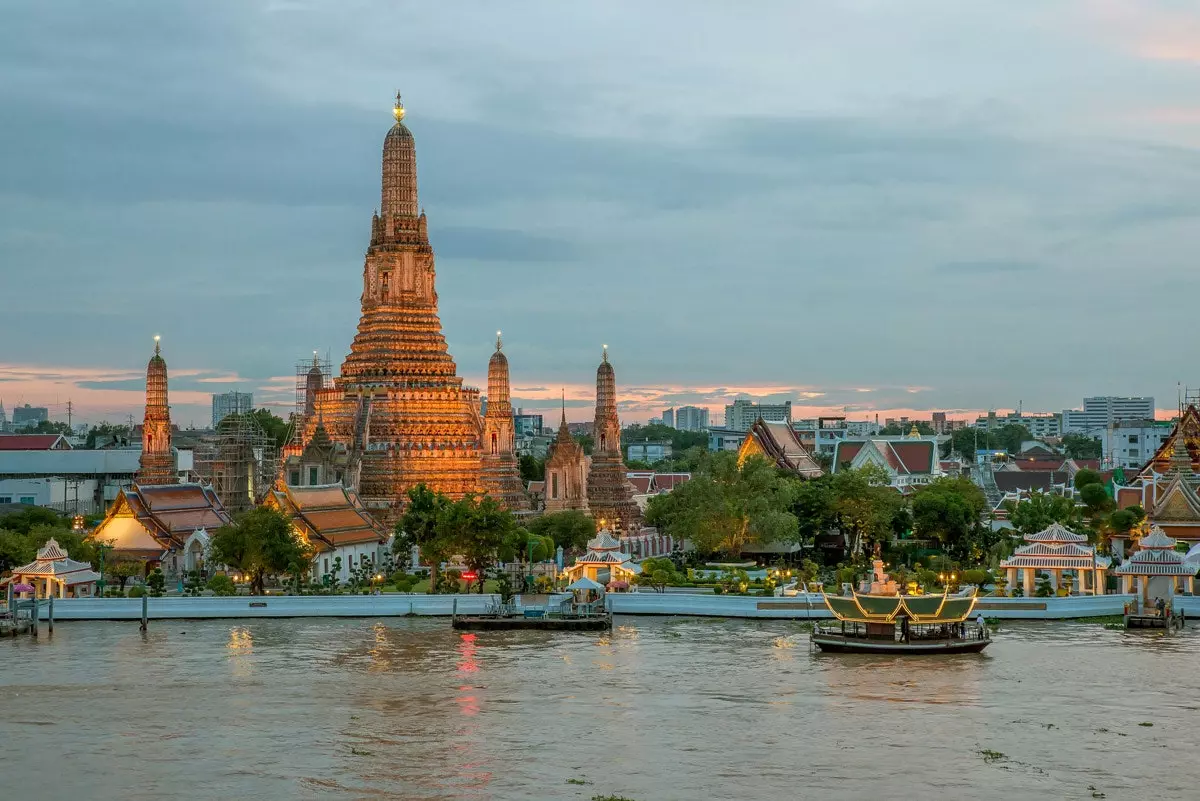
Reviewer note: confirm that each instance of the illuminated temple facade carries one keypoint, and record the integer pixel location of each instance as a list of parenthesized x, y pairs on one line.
[(399, 403), (156, 465), (609, 493), (500, 477)]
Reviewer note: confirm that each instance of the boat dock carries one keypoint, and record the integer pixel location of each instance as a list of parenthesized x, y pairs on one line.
[(563, 616), (1145, 616)]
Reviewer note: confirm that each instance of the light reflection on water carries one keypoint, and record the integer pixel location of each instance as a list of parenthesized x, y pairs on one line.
[(658, 709)]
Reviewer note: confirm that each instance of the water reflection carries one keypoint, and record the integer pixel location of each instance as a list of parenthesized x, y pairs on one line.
[(657, 709)]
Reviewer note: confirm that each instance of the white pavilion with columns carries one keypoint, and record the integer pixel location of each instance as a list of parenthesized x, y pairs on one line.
[(1157, 569), (1058, 551), (54, 573)]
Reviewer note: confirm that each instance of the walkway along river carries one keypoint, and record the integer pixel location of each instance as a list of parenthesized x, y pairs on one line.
[(661, 708)]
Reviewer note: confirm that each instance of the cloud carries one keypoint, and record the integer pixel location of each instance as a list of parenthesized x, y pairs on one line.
[(987, 267)]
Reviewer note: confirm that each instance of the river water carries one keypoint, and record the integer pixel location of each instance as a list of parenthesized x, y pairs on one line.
[(661, 708)]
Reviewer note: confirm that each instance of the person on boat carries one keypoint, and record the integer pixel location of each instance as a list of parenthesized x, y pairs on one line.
[(981, 623), (1160, 605)]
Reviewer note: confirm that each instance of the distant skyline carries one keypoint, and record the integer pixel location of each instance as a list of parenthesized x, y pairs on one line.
[(886, 208)]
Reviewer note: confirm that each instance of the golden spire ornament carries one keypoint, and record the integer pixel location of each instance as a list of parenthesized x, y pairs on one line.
[(398, 108)]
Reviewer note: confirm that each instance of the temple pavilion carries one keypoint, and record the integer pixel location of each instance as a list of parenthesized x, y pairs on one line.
[(56, 574), (1157, 568), (1058, 551), (604, 561)]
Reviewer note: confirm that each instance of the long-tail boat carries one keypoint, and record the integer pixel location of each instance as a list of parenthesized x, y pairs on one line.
[(901, 624)]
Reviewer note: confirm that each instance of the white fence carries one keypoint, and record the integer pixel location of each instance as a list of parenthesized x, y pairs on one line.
[(240, 606), (805, 607), (800, 607)]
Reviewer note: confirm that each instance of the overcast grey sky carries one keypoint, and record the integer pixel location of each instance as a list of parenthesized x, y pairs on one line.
[(876, 205)]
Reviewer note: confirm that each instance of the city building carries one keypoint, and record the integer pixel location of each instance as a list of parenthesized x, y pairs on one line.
[(909, 460), (779, 443), (227, 403), (741, 414), (157, 465), (27, 416), (1041, 426), (399, 403), (499, 476), (566, 473), (668, 418), (725, 439), (3, 418), (1099, 413), (648, 451), (159, 524), (609, 496), (34, 442), (1130, 444), (690, 418), (68, 481), (332, 520), (527, 425)]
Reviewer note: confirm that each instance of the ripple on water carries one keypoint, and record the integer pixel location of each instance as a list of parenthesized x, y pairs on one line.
[(658, 709)]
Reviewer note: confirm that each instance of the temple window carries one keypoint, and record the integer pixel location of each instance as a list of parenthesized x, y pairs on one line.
[(312, 476), (603, 442), (296, 479), (386, 281), (554, 485), (495, 445)]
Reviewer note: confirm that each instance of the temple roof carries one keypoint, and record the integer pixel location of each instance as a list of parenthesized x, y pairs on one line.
[(164, 516), (779, 442), (1178, 502), (919, 609), (1055, 532), (53, 561), (604, 541), (1156, 556), (900, 456), (1186, 428), (329, 515)]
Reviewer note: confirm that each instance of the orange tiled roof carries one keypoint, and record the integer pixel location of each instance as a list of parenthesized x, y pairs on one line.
[(329, 516)]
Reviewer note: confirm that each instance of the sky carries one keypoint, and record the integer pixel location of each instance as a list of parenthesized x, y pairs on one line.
[(864, 207)]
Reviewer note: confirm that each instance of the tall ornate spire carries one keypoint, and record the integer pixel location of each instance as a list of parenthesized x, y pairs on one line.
[(156, 465), (399, 406), (499, 474), (610, 495)]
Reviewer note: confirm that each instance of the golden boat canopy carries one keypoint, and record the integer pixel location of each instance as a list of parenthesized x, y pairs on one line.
[(919, 609)]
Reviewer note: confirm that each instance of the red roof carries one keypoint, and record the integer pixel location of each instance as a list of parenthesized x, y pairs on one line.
[(665, 482), (915, 457), (33, 442)]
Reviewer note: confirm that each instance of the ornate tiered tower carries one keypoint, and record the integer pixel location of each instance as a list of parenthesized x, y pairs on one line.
[(499, 476), (566, 471), (398, 401), (610, 496), (156, 465)]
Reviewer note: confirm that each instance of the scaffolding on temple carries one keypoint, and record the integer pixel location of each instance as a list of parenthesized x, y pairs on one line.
[(239, 460)]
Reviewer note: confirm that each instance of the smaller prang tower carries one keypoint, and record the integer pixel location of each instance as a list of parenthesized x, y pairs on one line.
[(499, 474), (609, 493), (157, 464)]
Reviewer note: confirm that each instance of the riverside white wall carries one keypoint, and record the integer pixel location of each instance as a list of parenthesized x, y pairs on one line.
[(800, 607), (240, 606)]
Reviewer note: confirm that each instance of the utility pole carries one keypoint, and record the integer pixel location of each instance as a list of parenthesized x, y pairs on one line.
[(69, 410)]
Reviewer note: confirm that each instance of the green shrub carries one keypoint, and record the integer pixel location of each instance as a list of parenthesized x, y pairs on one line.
[(222, 584), (137, 591), (156, 582), (978, 577)]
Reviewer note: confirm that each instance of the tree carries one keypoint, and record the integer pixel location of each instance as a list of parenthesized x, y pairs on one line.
[(1009, 437), (864, 506), (532, 468), (273, 426), (157, 582), (1081, 446), (106, 431), (51, 427), (585, 441), (657, 573), (924, 428), (477, 528), (1042, 509), (1086, 477), (813, 507), (258, 543), (123, 570), (419, 526), (570, 530), (725, 507), (950, 510)]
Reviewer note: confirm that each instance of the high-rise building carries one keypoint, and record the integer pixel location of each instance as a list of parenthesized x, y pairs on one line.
[(157, 463), (1040, 426), (691, 418), (3, 418), (609, 495), (27, 416), (741, 414), (227, 403), (668, 418), (1101, 412), (399, 401), (499, 476), (528, 425)]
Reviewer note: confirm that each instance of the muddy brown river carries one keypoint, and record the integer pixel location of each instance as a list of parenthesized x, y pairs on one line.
[(678, 708)]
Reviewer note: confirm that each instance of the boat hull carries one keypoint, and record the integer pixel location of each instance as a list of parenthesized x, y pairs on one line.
[(851, 645)]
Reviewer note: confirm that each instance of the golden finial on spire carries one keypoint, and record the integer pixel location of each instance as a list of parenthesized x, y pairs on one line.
[(605, 352), (398, 108), (497, 340), (156, 338)]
